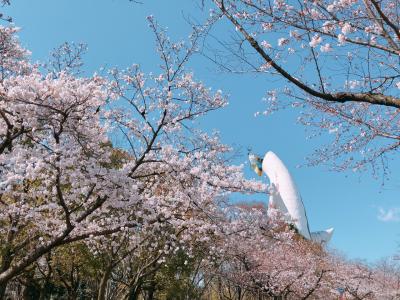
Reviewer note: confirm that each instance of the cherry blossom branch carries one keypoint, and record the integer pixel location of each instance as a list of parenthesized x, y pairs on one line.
[(341, 97)]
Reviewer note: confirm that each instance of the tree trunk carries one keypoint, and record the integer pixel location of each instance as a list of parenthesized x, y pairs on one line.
[(103, 283), (5, 264), (134, 292), (150, 291), (135, 287), (239, 292), (3, 287)]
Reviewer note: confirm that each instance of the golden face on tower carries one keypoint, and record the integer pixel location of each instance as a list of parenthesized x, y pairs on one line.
[(256, 163)]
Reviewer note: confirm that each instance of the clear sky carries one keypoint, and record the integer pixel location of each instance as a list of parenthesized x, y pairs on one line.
[(365, 214)]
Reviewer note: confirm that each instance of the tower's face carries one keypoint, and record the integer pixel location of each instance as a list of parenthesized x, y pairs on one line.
[(256, 163)]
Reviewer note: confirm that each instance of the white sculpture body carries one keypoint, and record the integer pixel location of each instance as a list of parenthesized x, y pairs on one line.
[(285, 193), (285, 197)]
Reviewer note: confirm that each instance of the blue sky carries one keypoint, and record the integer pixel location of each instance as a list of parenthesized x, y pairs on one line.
[(365, 214)]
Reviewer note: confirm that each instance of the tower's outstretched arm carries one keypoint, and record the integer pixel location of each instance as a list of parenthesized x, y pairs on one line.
[(322, 237)]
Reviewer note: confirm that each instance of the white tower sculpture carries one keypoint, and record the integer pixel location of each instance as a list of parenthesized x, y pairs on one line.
[(284, 195)]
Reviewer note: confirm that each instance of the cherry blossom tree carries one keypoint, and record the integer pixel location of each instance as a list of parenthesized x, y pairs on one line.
[(265, 258), (339, 64), (278, 263), (86, 157)]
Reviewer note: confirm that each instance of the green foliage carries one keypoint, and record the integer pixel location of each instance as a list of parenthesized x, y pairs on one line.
[(178, 277)]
